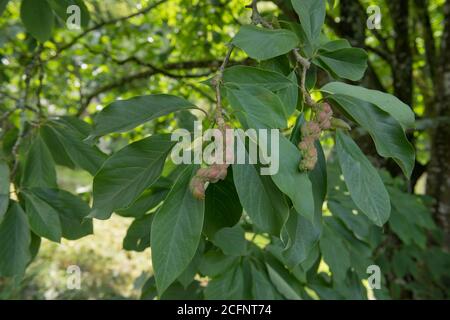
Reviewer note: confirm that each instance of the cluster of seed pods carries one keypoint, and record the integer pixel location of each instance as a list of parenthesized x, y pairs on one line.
[(311, 131), (214, 172), (211, 174)]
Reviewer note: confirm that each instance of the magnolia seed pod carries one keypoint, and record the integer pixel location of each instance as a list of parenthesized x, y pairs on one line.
[(197, 187)]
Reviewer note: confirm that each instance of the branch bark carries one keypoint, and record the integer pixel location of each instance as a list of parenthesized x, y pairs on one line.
[(438, 180)]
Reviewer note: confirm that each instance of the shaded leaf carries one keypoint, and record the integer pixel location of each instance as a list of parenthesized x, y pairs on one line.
[(263, 44), (222, 206), (176, 231), (386, 102), (363, 181), (124, 115), (390, 140), (127, 173), (138, 234), (39, 170), (14, 242), (38, 18)]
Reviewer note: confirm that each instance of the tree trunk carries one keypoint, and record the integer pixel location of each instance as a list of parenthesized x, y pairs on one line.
[(438, 180)]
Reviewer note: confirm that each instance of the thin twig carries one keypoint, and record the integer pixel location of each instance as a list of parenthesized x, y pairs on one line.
[(217, 82), (22, 106), (304, 62)]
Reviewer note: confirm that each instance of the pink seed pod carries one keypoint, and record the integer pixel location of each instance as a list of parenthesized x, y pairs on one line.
[(303, 145), (223, 172), (322, 116), (312, 129), (197, 187), (309, 140), (213, 171), (312, 152), (325, 125), (327, 108), (310, 164), (203, 172)]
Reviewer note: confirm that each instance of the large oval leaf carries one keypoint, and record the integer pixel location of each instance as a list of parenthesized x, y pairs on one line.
[(38, 18), (263, 44), (124, 115), (386, 102), (127, 173), (222, 206), (176, 231), (363, 181), (44, 219), (246, 75), (347, 63), (71, 209), (14, 242), (312, 16), (255, 105), (390, 140), (262, 201), (39, 170), (295, 184), (64, 137)]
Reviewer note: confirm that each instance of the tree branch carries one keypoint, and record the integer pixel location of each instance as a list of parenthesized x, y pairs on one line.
[(103, 24)]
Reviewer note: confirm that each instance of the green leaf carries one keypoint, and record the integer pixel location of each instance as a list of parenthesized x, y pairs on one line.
[(334, 45), (231, 241), (44, 219), (60, 8), (124, 115), (65, 136), (306, 48), (14, 242), (176, 291), (222, 206), (246, 75), (386, 102), (302, 235), (228, 286), (410, 219), (263, 44), (312, 16), (289, 95), (188, 275), (4, 188), (147, 201), (347, 63), (176, 231), (257, 105), (295, 184), (214, 263), (39, 168), (360, 225), (262, 288), (335, 253), (128, 172), (412, 207), (363, 181), (38, 18), (282, 280), (138, 234), (261, 200), (72, 212), (390, 140)]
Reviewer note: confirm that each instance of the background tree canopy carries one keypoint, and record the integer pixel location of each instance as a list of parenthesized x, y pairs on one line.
[(97, 104)]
